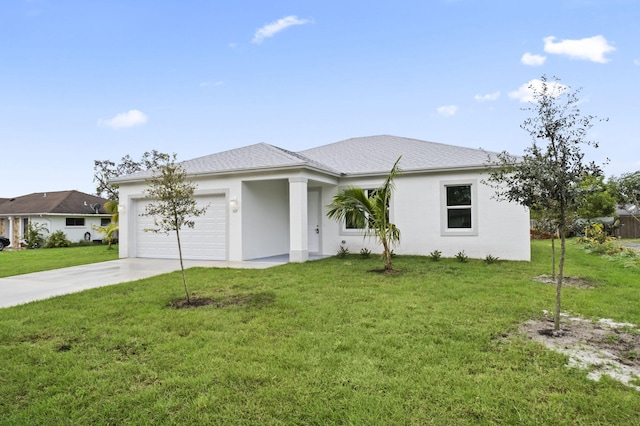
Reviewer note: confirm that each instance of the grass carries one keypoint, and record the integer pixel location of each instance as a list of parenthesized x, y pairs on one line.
[(17, 262), (324, 342)]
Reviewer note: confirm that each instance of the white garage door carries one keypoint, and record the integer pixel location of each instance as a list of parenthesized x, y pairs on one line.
[(206, 241)]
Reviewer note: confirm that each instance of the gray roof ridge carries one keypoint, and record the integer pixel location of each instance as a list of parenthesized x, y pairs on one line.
[(307, 160), (398, 137), (240, 148)]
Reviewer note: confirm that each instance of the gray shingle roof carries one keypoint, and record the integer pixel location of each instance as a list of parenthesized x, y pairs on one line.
[(366, 155), (252, 157), (374, 154), (58, 202)]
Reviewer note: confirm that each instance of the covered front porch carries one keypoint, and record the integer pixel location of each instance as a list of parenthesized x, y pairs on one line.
[(282, 218)]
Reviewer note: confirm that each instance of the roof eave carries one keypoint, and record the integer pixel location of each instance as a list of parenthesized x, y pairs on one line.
[(55, 214), (422, 170), (241, 171)]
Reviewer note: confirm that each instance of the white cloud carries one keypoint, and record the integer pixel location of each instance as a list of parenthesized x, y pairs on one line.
[(525, 92), (488, 97), (273, 28), (591, 49), (533, 60), (636, 61), (133, 117), (447, 110)]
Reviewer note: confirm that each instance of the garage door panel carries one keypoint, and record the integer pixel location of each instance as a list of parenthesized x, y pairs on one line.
[(205, 241)]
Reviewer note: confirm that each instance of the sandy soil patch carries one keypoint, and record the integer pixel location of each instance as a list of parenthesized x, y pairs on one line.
[(566, 281), (603, 347)]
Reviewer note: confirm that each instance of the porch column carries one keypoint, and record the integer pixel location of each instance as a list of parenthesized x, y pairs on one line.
[(12, 238), (298, 238)]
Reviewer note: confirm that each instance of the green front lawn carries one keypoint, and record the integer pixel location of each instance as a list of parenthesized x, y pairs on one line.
[(324, 342), (17, 262)]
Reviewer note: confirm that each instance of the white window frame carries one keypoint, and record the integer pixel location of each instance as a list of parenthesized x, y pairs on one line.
[(444, 209)]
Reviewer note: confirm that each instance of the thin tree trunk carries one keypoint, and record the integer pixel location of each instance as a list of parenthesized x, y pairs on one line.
[(387, 256), (184, 277), (556, 319), (553, 256)]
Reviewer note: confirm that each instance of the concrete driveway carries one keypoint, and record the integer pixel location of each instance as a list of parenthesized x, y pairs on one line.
[(26, 288)]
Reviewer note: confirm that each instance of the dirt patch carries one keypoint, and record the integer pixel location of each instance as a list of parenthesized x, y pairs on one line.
[(566, 281), (603, 347), (386, 271), (253, 300), (193, 303)]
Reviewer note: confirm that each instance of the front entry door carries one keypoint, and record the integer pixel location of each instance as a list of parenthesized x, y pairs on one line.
[(313, 220)]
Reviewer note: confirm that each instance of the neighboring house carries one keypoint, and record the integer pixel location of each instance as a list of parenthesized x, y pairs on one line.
[(266, 201), (629, 226), (72, 212)]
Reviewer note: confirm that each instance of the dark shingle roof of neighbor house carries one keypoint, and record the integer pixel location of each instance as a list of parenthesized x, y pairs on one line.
[(356, 156), (59, 202)]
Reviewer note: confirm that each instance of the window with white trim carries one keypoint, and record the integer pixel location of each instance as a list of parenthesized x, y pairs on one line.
[(458, 208)]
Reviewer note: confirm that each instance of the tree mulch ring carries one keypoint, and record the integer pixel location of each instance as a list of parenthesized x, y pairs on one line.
[(603, 347), (254, 300), (192, 303), (566, 281), (391, 272)]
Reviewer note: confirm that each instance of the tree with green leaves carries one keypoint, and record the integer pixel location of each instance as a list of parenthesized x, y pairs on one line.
[(549, 177), (105, 170), (172, 205), (628, 192), (370, 212), (34, 235), (599, 201)]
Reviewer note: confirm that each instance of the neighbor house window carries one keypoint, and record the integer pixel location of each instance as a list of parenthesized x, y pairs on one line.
[(458, 208), (105, 221), (75, 221)]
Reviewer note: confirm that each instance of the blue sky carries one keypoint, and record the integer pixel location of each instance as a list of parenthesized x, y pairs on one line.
[(85, 80)]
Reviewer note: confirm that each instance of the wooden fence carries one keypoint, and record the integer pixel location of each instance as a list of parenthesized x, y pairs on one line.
[(629, 228)]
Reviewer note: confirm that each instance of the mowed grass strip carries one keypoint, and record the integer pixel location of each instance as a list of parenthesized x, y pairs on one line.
[(18, 262), (325, 342)]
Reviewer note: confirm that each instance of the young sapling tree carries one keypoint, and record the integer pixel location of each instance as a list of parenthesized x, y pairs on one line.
[(172, 205)]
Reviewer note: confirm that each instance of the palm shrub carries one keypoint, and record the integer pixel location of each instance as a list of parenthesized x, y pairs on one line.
[(435, 255), (461, 256), (370, 213)]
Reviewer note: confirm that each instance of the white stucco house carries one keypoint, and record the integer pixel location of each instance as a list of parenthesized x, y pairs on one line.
[(73, 212), (267, 201)]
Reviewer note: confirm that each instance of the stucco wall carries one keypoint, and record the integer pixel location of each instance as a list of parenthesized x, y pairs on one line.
[(73, 233), (265, 218), (260, 227), (502, 229)]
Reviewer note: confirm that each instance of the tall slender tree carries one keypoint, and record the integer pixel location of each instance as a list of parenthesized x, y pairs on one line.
[(370, 211), (172, 204), (549, 176)]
